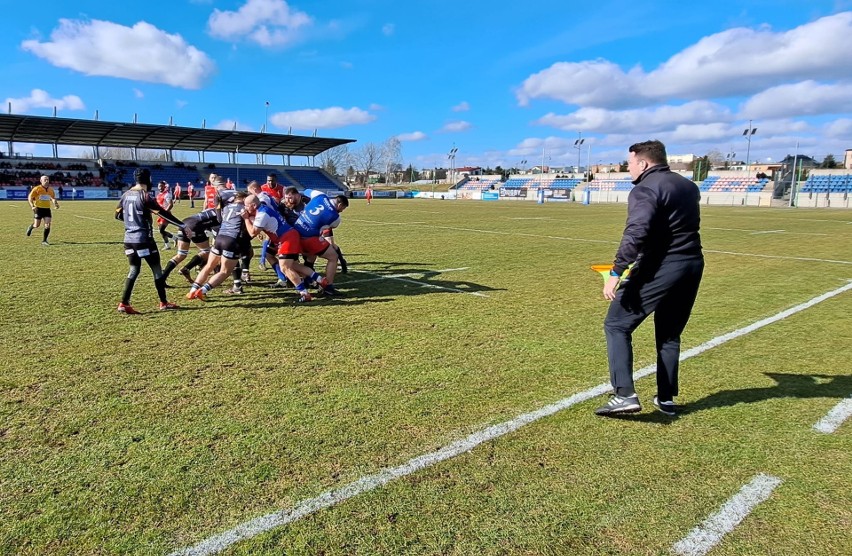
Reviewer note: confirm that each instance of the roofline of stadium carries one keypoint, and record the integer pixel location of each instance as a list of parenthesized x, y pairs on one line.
[(16, 128)]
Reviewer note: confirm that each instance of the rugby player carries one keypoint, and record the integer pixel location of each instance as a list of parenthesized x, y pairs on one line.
[(134, 209), (40, 199), (315, 225)]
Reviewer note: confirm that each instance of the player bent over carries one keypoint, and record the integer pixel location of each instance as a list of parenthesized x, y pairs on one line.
[(194, 229), (315, 224), (135, 209), (261, 218), (226, 250)]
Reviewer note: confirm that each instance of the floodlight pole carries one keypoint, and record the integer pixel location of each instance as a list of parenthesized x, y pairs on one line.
[(748, 133), (578, 144)]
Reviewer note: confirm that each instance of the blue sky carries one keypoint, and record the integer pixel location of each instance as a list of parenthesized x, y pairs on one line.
[(500, 81)]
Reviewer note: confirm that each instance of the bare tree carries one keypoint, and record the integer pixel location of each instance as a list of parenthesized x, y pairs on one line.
[(368, 159), (336, 160), (392, 151)]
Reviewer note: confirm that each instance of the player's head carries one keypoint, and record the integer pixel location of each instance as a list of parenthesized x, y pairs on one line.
[(271, 180), (341, 203), (292, 197), (251, 203), (217, 180), (162, 186), (253, 187), (142, 176), (44, 180)]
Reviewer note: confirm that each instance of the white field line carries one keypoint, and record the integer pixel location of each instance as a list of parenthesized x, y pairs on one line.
[(785, 257), (254, 527), (377, 277), (703, 538), (834, 418), (610, 242), (755, 232), (89, 218)]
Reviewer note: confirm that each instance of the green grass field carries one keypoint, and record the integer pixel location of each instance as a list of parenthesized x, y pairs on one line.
[(149, 434)]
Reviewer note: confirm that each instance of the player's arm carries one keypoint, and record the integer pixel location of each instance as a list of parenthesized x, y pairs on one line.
[(152, 205), (53, 198), (641, 211), (31, 198)]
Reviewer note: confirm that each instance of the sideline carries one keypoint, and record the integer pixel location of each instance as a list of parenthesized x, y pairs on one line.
[(835, 417), (273, 520), (703, 538)]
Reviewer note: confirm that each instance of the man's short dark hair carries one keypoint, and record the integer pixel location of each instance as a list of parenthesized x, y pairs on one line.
[(142, 176), (652, 151), (291, 190), (342, 200)]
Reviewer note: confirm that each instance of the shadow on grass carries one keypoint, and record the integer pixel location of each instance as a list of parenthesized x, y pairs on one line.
[(787, 386)]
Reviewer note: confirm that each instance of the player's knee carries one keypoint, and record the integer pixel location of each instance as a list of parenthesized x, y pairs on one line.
[(134, 272)]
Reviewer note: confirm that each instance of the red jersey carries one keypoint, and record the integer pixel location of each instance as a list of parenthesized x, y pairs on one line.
[(177, 191), (210, 195), (164, 199), (276, 192)]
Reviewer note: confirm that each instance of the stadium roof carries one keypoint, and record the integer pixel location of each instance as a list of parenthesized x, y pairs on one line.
[(93, 133)]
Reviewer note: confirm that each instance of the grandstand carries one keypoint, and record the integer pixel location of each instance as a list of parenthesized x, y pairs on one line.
[(828, 183), (611, 184), (732, 184), (97, 178)]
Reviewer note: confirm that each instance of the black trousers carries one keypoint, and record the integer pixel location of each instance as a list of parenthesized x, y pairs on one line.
[(669, 292)]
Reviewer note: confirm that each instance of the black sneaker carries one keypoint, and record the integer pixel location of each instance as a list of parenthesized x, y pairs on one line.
[(331, 291), (618, 405), (669, 408), (29, 231)]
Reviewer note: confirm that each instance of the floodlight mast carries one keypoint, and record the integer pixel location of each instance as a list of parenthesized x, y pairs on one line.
[(578, 144), (748, 133)]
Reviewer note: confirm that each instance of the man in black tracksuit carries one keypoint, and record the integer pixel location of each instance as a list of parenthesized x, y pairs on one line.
[(662, 242)]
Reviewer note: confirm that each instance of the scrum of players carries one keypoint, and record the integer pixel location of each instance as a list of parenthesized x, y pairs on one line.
[(295, 224)]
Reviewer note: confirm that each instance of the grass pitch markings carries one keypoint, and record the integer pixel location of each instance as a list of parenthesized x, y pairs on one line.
[(785, 257), (703, 538), (89, 218), (377, 277), (835, 417), (329, 498)]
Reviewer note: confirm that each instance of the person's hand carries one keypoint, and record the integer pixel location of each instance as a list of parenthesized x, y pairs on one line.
[(610, 287)]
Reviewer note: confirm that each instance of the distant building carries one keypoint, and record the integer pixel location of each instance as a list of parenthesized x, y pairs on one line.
[(847, 159)]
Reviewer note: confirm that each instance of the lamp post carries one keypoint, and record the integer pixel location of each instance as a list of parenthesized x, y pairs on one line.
[(748, 133), (452, 158), (730, 158), (578, 144), (523, 164)]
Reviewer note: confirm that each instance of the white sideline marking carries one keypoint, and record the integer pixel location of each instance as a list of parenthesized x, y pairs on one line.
[(606, 241), (768, 232), (256, 526), (787, 257), (703, 538), (835, 417), (377, 277), (755, 232), (89, 218)]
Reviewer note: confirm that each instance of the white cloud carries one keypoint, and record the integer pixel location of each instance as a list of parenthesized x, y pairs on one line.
[(41, 99), (322, 118), (461, 107), (230, 125), (640, 120), (181, 103), (347, 65), (413, 136), (841, 129), (376, 107), (141, 52), (799, 99), (460, 125), (265, 22), (731, 63), (388, 29), (138, 93)]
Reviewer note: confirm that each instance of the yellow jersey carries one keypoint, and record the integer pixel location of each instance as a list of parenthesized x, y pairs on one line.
[(42, 197)]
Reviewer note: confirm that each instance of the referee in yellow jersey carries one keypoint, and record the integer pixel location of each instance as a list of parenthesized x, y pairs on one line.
[(40, 198)]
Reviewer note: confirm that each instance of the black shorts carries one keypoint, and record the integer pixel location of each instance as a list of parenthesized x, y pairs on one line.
[(227, 247), (43, 213), (199, 237), (141, 250)]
